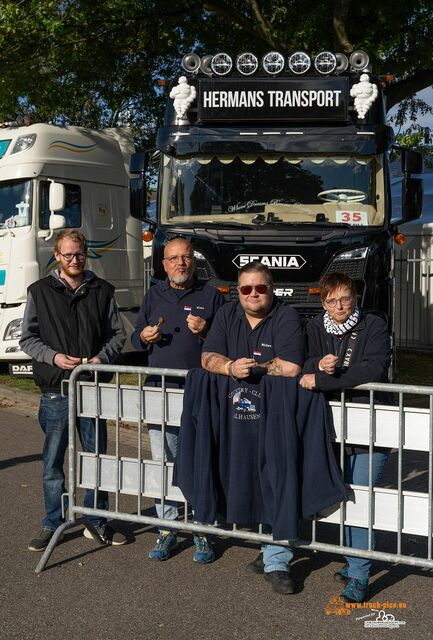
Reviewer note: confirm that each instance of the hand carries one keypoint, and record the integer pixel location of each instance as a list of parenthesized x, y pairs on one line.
[(195, 323), (150, 334), (328, 363), (242, 368), (63, 361), (94, 360), (308, 381)]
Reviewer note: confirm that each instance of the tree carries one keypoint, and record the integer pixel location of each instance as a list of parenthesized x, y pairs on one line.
[(95, 62)]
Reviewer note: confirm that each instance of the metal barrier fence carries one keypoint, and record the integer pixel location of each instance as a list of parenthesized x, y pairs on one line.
[(414, 295), (402, 512)]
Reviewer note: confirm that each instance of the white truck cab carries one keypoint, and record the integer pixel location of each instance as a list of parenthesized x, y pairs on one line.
[(54, 177)]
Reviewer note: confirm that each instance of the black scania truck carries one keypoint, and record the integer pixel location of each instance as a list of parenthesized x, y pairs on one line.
[(286, 162)]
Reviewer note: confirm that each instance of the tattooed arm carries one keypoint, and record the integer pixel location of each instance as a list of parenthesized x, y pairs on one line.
[(279, 367), (217, 363)]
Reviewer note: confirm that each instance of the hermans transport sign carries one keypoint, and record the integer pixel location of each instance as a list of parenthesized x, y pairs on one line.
[(239, 99), (271, 261)]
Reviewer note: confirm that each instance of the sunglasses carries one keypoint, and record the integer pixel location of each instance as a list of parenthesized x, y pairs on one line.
[(246, 289)]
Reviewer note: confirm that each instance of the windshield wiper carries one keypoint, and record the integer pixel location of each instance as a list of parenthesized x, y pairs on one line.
[(222, 223)]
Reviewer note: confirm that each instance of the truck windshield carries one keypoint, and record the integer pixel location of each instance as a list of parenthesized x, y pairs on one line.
[(277, 189), (15, 203)]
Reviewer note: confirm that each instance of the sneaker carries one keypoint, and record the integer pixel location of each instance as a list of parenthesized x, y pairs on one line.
[(281, 581), (164, 545), (40, 543), (204, 554), (106, 535), (342, 576), (257, 566), (355, 590)]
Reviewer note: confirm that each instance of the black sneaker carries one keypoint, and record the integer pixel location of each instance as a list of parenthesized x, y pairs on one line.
[(257, 566), (105, 535), (281, 581), (40, 543)]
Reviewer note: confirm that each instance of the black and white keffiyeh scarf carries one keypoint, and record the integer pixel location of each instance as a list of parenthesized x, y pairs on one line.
[(340, 329)]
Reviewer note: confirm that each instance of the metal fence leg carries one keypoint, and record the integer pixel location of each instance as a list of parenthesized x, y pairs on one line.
[(52, 543)]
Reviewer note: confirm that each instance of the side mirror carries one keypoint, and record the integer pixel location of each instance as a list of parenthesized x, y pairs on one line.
[(138, 198), (412, 198), (56, 197), (56, 222), (139, 162), (411, 161)]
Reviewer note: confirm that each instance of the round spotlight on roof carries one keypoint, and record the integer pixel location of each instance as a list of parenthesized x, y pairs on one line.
[(325, 62), (359, 60), (205, 65), (273, 62), (342, 62), (221, 64), (299, 62), (247, 63), (191, 62)]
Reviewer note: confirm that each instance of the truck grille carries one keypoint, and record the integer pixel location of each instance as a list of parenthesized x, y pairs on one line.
[(352, 268)]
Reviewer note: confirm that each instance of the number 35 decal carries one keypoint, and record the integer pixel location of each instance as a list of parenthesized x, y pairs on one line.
[(352, 217)]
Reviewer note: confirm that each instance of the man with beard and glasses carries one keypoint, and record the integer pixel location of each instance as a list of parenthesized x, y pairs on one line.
[(71, 317), (172, 323)]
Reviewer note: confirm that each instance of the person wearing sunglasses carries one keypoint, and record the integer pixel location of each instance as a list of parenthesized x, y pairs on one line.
[(172, 323), (71, 318), (346, 348), (258, 335)]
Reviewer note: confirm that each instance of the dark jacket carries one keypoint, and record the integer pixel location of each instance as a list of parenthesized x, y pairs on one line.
[(369, 360), (255, 452), (83, 323)]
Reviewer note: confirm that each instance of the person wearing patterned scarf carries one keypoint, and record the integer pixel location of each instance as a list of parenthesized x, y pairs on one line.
[(346, 348)]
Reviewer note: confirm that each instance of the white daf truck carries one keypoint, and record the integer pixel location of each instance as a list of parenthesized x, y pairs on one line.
[(55, 177)]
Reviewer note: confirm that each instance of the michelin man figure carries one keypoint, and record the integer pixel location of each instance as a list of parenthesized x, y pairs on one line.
[(365, 93), (183, 95)]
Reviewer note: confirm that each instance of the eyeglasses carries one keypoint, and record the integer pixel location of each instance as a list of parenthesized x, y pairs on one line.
[(174, 259), (70, 256), (246, 289), (345, 301)]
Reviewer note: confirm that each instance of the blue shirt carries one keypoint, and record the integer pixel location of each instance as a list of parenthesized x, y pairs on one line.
[(178, 348), (279, 334)]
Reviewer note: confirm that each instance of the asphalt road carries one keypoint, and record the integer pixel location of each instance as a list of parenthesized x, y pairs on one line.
[(108, 593)]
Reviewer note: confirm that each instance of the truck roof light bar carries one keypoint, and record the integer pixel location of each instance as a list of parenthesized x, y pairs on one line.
[(221, 64), (273, 63), (325, 62), (299, 62), (247, 63)]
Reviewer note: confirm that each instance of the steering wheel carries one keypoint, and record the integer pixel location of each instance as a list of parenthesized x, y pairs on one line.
[(342, 195)]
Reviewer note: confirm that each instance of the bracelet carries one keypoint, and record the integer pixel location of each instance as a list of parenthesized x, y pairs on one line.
[(227, 367), (230, 372)]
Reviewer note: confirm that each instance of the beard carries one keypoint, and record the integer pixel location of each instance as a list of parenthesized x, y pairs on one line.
[(181, 278)]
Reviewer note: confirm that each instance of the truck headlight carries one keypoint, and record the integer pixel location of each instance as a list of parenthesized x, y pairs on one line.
[(13, 330), (354, 254)]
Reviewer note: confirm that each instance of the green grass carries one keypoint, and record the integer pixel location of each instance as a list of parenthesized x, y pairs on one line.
[(412, 368)]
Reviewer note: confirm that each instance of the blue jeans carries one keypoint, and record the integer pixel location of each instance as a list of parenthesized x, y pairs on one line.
[(275, 556), (53, 418), (356, 472), (170, 511)]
